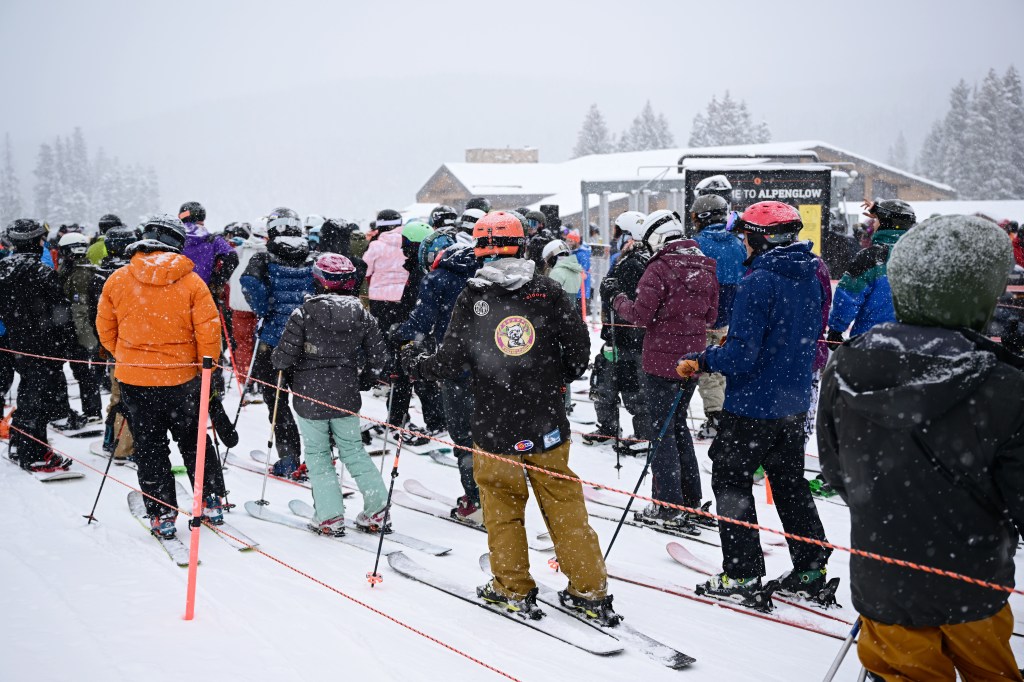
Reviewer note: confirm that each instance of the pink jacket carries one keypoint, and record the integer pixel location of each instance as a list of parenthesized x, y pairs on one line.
[(385, 269)]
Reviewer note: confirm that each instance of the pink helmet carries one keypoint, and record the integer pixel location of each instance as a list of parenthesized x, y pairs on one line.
[(335, 272)]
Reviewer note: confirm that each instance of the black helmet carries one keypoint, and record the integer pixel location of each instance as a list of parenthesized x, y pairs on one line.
[(483, 203), (167, 230), (243, 230), (117, 240), (192, 212), (25, 232), (108, 221), (388, 219), (283, 221), (709, 209), (893, 214), (443, 216)]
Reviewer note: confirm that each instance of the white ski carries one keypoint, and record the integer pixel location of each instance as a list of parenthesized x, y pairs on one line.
[(174, 547), (306, 511)]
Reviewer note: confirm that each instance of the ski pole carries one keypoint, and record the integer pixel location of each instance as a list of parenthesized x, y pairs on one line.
[(229, 342), (384, 452), (270, 441), (615, 359), (647, 465), (248, 376), (374, 577), (843, 650), (110, 460)]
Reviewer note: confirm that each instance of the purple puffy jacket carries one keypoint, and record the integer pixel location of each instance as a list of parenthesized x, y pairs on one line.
[(676, 301)]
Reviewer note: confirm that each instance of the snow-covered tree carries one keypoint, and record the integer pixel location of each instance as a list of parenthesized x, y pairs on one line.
[(46, 181), (10, 192), (1014, 114), (648, 131), (930, 161), (727, 122), (593, 137), (954, 170), (898, 153)]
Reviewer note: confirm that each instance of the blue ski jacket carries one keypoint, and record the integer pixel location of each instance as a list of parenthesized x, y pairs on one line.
[(274, 288), (729, 254), (438, 293), (863, 297)]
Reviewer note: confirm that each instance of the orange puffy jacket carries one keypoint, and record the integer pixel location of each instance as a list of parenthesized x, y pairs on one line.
[(157, 311)]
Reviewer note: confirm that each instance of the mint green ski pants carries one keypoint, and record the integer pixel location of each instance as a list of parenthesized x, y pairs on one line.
[(327, 497)]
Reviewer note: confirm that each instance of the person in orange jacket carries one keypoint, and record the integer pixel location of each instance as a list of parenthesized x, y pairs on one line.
[(158, 319)]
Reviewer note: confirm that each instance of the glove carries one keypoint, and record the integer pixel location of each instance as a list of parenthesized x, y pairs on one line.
[(690, 364), (609, 288), (834, 338), (410, 357)]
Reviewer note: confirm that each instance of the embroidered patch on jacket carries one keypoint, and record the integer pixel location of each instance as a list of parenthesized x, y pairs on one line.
[(552, 439), (481, 308), (523, 446), (515, 335)]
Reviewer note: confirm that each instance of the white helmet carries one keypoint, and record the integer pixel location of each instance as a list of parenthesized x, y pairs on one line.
[(72, 238), (556, 247), (631, 223), (716, 184), (468, 219), (313, 221), (662, 227)]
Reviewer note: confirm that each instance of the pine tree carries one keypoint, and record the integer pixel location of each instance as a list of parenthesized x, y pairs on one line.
[(1014, 114), (46, 181), (79, 178), (647, 132), (593, 137), (930, 161), (898, 153), (10, 193), (762, 134), (698, 131), (727, 122), (986, 152), (954, 170)]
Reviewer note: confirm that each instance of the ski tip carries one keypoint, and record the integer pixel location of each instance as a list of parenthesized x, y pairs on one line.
[(485, 563)]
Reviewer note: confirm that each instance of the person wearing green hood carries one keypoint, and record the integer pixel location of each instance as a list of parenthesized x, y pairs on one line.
[(920, 431), (863, 297)]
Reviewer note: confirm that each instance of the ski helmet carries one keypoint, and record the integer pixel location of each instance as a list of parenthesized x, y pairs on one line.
[(482, 203), (431, 247), (335, 236), (313, 221), (715, 184), (25, 232), (553, 250), (769, 224), (69, 227), (335, 272), (118, 239), (660, 228), (499, 234), (167, 230), (313, 237), (709, 209), (73, 245), (192, 212), (976, 259), (535, 222), (631, 223), (469, 218), (238, 231), (443, 216), (416, 231), (108, 221), (387, 219), (283, 221), (893, 214)]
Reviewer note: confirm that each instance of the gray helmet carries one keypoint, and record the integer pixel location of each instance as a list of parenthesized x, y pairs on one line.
[(167, 230), (710, 209)]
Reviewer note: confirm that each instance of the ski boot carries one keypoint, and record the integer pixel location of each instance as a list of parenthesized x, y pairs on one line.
[(748, 592), (597, 610), (285, 467), (811, 586), (73, 422), (302, 473), (373, 523), (213, 509), (672, 520), (468, 511), (380, 391), (704, 521), (819, 488), (412, 435), (93, 419), (600, 437), (709, 429), (632, 448), (162, 525), (524, 608), (48, 463), (333, 527)]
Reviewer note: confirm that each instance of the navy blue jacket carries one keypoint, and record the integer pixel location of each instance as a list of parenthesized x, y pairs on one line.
[(773, 333), (438, 293), (729, 253), (274, 288)]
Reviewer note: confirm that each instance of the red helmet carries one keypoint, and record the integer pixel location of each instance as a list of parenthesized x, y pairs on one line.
[(335, 272), (499, 234), (777, 222)]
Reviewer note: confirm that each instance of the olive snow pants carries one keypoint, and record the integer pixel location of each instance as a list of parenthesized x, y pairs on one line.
[(323, 477), (712, 386), (978, 650), (503, 494)]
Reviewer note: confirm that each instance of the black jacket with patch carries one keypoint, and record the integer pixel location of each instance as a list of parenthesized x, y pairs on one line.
[(522, 340)]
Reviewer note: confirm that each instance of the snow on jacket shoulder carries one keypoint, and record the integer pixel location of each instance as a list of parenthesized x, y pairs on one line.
[(385, 267), (157, 311), (773, 333), (676, 301)]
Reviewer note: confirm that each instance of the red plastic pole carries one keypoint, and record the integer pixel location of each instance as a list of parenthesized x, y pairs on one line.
[(231, 355), (197, 502), (768, 497), (583, 295)]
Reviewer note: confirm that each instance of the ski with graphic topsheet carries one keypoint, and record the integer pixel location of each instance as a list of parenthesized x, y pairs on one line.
[(47, 476), (556, 625), (625, 633), (174, 547), (541, 542), (359, 540), (303, 509), (225, 531)]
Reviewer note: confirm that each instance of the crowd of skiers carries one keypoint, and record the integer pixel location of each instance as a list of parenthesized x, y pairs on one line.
[(479, 314)]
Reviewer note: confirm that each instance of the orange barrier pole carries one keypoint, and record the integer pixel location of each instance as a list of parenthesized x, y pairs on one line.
[(583, 295), (768, 491), (197, 503)]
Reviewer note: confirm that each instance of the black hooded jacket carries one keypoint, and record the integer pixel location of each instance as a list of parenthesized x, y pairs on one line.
[(33, 308), (921, 431)]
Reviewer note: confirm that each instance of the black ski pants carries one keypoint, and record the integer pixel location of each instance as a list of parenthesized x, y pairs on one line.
[(39, 403), (458, 408), (674, 462), (88, 382), (624, 376), (286, 432), (153, 411), (741, 446)]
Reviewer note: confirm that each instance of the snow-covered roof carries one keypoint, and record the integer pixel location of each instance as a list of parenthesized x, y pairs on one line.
[(417, 211)]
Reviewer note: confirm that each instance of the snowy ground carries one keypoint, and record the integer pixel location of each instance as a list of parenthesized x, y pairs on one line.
[(103, 602)]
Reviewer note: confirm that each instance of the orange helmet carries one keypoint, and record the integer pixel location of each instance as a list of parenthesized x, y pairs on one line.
[(499, 234)]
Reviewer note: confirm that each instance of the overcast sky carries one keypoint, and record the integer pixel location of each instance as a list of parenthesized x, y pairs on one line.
[(343, 108)]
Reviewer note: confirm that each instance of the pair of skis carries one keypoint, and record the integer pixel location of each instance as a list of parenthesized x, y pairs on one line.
[(46, 476)]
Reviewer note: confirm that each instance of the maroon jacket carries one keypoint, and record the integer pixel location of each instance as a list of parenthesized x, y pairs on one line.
[(676, 300)]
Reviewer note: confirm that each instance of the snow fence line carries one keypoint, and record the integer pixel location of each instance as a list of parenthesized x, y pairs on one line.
[(279, 561)]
